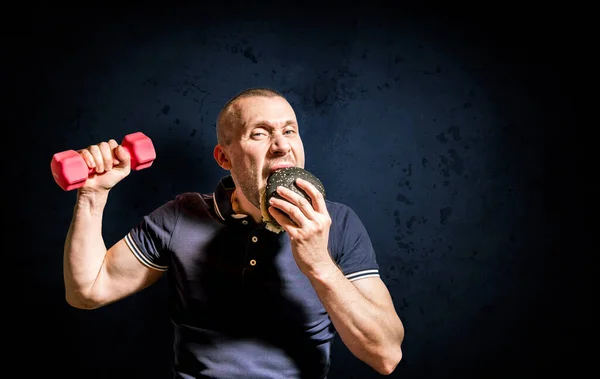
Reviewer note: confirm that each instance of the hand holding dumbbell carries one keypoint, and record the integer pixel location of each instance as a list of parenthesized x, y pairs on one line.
[(72, 169)]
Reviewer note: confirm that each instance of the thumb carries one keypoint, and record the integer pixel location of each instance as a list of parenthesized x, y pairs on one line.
[(123, 156)]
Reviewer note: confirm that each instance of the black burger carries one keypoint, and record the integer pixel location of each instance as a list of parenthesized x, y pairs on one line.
[(285, 177)]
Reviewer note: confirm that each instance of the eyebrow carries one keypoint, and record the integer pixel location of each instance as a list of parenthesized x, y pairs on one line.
[(266, 122)]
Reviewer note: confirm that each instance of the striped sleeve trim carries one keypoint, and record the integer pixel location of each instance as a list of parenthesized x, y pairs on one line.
[(362, 274), (140, 256)]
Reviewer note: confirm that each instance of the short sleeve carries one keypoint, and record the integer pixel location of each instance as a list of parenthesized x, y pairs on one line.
[(149, 239), (350, 244)]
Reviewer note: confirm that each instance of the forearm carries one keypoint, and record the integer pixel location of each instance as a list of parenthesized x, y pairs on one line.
[(371, 333), (84, 249)]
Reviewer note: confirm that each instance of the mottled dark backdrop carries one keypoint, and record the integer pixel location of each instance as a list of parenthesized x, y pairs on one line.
[(447, 131)]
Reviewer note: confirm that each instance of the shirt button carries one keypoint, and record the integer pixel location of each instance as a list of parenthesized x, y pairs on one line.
[(254, 239), (245, 222), (252, 262)]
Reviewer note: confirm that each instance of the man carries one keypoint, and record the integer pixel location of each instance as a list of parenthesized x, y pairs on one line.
[(245, 302)]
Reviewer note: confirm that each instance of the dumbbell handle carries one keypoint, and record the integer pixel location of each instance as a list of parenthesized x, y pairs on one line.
[(70, 170)]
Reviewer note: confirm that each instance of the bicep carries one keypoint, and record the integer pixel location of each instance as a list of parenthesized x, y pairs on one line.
[(122, 274)]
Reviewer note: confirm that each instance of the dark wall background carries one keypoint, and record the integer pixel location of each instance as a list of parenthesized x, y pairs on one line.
[(447, 129)]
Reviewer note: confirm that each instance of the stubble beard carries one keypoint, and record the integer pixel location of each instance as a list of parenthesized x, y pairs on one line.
[(249, 187)]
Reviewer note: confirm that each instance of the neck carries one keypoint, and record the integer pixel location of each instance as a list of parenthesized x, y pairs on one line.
[(242, 205)]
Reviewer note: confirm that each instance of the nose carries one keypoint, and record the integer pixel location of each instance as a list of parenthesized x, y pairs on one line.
[(280, 145)]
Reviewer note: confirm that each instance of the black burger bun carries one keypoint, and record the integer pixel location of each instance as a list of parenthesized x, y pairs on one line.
[(285, 177)]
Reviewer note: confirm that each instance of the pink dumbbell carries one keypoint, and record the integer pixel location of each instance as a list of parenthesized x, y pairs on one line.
[(70, 170)]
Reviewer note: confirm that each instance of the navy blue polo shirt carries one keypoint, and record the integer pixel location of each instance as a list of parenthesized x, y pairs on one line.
[(240, 306)]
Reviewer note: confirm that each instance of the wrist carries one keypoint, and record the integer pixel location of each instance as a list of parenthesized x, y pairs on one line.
[(92, 202)]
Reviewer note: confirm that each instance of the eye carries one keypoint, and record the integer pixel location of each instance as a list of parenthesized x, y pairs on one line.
[(258, 134)]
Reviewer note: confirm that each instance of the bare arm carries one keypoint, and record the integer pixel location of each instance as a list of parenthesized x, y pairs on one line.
[(93, 275), (364, 316)]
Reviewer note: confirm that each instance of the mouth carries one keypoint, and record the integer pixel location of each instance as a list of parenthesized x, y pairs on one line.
[(278, 166)]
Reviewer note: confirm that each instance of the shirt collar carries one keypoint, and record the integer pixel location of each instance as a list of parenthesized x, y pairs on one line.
[(222, 199)]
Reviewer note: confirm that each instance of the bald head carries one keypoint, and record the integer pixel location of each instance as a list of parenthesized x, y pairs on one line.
[(230, 115)]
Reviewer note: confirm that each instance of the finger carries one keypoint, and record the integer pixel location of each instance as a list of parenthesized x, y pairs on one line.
[(88, 158), (107, 155), (296, 199), (282, 218), (94, 150), (123, 156), (112, 144), (317, 198), (292, 212)]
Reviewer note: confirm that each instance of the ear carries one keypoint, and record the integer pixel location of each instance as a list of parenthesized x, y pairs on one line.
[(221, 157)]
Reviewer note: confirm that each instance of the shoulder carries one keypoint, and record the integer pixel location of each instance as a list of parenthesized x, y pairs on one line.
[(349, 241), (345, 222), (186, 202), (187, 199), (340, 212)]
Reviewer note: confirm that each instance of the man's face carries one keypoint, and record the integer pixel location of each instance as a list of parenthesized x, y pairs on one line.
[(265, 139)]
